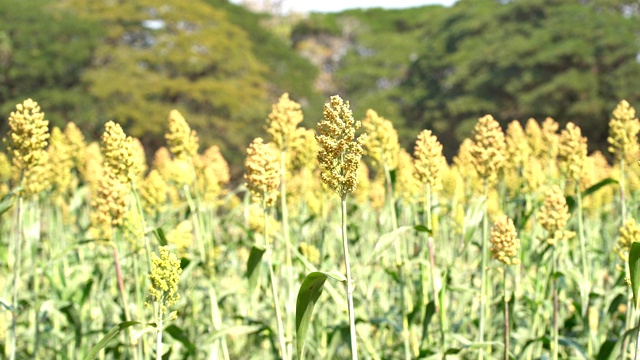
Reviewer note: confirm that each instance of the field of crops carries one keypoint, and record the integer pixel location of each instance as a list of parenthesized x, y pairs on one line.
[(337, 244)]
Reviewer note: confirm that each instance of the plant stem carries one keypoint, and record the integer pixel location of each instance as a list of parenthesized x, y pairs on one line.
[(16, 279), (274, 290), (159, 335), (583, 255), (350, 285), (636, 356), (506, 316), (555, 303), (483, 270), (289, 266)]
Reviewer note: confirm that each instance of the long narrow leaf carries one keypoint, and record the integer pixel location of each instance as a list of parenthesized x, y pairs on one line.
[(108, 337), (310, 291), (634, 270)]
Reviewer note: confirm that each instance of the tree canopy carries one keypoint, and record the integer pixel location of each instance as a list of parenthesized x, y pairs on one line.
[(530, 58)]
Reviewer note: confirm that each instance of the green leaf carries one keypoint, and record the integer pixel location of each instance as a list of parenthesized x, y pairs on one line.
[(6, 203), (634, 271), (180, 335), (422, 228), (108, 337), (607, 349), (253, 266), (472, 218), (386, 240), (162, 239), (309, 293)]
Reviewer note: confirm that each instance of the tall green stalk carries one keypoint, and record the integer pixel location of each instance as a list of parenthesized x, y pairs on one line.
[(506, 314), (554, 280), (290, 304), (483, 286), (350, 284), (274, 287), (583, 255), (16, 278)]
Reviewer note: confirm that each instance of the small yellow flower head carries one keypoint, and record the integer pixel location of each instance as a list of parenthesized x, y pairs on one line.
[(629, 233), (377, 193), (262, 172), (37, 178), (534, 138), (504, 241), (304, 151), (28, 134), (407, 185), (181, 237), (5, 168), (572, 152), (554, 214), (310, 252), (75, 141), (428, 159), (163, 163), (164, 278), (256, 224), (92, 167), (182, 141), (110, 201), (623, 132), (61, 161), (550, 137), (488, 148), (119, 153), (285, 116), (153, 193), (133, 229), (139, 159), (361, 195), (216, 161), (518, 149), (340, 152), (534, 174), (382, 140)]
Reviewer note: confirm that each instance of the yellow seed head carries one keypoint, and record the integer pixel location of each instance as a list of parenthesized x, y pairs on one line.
[(553, 215), (377, 193), (182, 141), (304, 150), (504, 241), (153, 193), (119, 153), (407, 185), (629, 233), (163, 163), (534, 175), (212, 173), (518, 149), (550, 137), (382, 141), (181, 237), (262, 172), (6, 171), (133, 229), (623, 133), (428, 160), (164, 278), (283, 120), (92, 167), (534, 138), (28, 135), (488, 148), (37, 178), (110, 201), (61, 160), (340, 151), (75, 141), (572, 152)]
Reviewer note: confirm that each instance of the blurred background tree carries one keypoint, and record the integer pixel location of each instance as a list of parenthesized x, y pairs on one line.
[(223, 65)]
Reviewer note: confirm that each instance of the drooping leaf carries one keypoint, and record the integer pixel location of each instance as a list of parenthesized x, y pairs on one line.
[(108, 337), (387, 239), (634, 271), (310, 291), (159, 234), (253, 266), (180, 335)]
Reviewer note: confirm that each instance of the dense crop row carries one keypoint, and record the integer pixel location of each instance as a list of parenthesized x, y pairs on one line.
[(339, 243)]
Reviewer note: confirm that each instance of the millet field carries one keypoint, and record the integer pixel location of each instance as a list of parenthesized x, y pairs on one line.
[(336, 243)]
